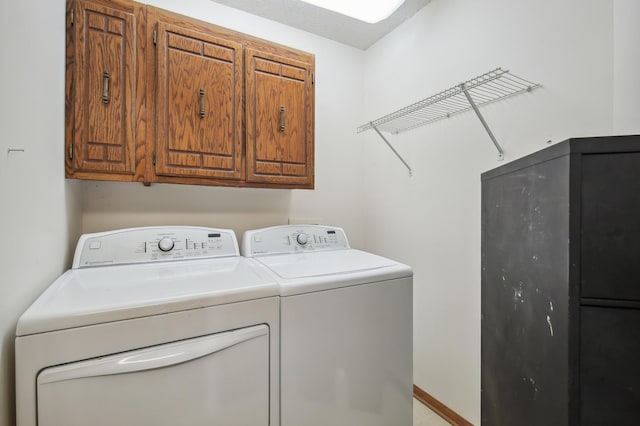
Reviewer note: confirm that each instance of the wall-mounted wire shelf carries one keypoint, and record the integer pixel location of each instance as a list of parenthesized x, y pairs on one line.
[(485, 89)]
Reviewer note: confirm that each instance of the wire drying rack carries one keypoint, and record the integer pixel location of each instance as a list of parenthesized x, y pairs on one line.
[(485, 89)]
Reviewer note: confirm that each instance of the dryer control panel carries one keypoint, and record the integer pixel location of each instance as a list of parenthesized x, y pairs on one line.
[(293, 239), (154, 244)]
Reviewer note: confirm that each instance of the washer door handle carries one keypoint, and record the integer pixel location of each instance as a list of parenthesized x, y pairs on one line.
[(151, 358)]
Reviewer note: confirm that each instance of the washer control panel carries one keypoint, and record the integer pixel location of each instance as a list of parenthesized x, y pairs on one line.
[(293, 239), (153, 244)]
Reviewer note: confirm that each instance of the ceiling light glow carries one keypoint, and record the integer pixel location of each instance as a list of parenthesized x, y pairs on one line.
[(370, 11)]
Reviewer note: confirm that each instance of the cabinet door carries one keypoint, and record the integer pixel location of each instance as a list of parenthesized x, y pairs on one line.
[(101, 72), (199, 104), (279, 120), (609, 368), (610, 238)]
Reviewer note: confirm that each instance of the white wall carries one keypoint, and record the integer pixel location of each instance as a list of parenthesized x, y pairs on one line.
[(337, 197), (39, 216), (435, 215), (626, 60)]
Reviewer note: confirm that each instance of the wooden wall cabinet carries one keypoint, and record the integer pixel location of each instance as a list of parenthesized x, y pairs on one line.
[(153, 96), (560, 286)]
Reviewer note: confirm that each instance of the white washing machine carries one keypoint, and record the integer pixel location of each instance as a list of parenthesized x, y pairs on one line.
[(345, 328), (152, 326)]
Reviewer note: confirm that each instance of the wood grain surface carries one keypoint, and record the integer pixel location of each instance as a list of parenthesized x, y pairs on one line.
[(151, 128)]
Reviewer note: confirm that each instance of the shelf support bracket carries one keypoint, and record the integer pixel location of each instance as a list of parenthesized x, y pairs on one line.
[(484, 123), (392, 148)]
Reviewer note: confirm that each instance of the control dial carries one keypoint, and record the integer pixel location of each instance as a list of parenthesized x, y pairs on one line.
[(301, 239), (166, 244)]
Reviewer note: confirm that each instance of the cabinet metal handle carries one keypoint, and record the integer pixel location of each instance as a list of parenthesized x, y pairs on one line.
[(282, 118), (105, 87), (201, 103)]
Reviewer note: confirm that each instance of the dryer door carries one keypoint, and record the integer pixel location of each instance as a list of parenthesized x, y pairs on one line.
[(218, 379)]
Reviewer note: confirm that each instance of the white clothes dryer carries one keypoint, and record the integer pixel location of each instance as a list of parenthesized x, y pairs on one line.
[(152, 326), (345, 328)]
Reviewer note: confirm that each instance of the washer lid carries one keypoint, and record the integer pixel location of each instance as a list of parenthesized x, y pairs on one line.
[(82, 297), (307, 272)]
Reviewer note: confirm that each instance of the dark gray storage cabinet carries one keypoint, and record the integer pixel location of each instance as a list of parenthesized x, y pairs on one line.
[(561, 286)]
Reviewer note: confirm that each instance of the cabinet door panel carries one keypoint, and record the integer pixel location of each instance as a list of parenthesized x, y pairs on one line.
[(279, 120), (610, 241), (292, 98), (609, 368), (105, 63), (199, 104), (267, 120)]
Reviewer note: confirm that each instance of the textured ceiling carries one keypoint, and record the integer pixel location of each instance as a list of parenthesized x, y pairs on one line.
[(324, 22)]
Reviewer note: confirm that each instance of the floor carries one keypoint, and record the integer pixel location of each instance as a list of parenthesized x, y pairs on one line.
[(422, 416)]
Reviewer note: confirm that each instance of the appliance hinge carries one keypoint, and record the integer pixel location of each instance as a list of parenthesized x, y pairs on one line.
[(155, 37), (154, 158), (72, 17), (70, 151)]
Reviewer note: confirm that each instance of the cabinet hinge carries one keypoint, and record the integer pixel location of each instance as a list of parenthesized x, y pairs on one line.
[(72, 17), (154, 158), (313, 78), (70, 151), (155, 37)]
